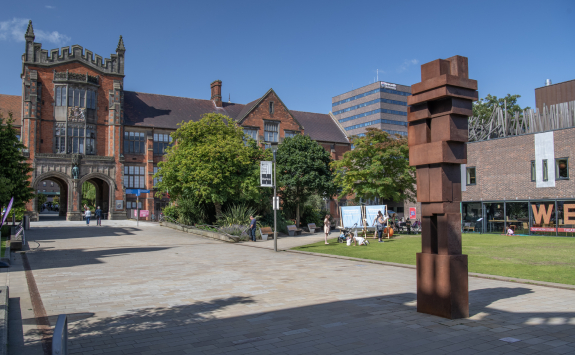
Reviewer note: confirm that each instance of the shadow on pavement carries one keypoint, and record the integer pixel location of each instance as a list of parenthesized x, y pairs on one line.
[(62, 233), (384, 324)]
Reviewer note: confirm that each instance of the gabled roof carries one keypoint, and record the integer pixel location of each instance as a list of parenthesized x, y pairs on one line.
[(320, 127), (252, 105), (11, 103)]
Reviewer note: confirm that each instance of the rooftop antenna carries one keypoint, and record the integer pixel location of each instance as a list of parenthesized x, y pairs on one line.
[(377, 74), (229, 98)]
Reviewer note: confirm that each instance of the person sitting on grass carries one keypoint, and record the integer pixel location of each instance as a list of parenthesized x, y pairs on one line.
[(359, 240), (510, 232)]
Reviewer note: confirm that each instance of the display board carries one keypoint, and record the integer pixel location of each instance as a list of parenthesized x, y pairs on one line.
[(371, 213), (350, 215)]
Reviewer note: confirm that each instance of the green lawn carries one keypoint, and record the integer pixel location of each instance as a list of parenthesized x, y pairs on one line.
[(549, 259)]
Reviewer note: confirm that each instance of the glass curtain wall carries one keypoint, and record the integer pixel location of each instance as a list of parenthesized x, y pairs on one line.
[(517, 217), (471, 217), (494, 217)]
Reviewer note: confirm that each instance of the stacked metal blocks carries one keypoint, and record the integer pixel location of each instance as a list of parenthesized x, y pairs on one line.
[(437, 132)]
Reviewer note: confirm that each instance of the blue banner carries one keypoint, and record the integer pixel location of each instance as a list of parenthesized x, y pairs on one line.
[(371, 213), (350, 215)]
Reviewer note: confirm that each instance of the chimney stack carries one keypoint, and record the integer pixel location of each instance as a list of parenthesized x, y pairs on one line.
[(216, 87)]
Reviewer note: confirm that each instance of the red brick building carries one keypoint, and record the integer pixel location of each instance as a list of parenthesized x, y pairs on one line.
[(80, 125)]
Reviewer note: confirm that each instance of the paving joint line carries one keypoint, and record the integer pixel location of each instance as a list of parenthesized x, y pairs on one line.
[(40, 315)]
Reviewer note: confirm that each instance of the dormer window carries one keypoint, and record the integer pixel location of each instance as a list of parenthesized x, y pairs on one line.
[(271, 107)]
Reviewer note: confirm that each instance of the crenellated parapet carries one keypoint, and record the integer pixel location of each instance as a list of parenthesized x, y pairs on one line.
[(35, 55)]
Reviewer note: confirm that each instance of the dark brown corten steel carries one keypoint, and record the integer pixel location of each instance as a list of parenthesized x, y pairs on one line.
[(437, 132)]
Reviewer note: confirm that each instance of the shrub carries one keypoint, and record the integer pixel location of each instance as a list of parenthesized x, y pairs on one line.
[(236, 215), (282, 222), (5, 233)]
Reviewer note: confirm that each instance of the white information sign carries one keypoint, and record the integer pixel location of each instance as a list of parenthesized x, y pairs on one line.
[(388, 85), (266, 174)]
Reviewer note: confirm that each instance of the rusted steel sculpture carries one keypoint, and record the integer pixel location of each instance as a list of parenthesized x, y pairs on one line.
[(437, 131)]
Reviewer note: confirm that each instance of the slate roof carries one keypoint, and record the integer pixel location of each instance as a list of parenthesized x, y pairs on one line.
[(161, 111), (11, 103)]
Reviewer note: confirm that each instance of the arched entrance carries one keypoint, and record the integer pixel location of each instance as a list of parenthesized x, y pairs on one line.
[(53, 181), (103, 192)]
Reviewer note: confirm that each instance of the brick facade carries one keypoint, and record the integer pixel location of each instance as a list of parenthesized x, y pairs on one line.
[(503, 168)]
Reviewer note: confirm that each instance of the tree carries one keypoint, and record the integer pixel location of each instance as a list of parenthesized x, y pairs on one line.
[(483, 108), (41, 200), (211, 163), (14, 169), (303, 169), (88, 194), (378, 166)]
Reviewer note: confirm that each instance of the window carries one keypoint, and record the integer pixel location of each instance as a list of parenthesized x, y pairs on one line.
[(545, 170), (133, 204), (562, 169), (533, 171), (44, 190), (271, 107), (395, 102), (389, 91), (251, 133), (471, 178), (271, 131), (134, 143), (90, 140), (158, 179), (91, 99), (75, 140), (60, 139), (60, 96), (43, 183), (290, 134), (161, 142), (134, 177), (52, 183)]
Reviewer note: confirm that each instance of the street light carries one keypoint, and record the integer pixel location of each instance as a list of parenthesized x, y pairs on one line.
[(274, 146)]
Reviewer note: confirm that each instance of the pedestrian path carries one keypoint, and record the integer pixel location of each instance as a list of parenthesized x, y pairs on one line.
[(154, 290)]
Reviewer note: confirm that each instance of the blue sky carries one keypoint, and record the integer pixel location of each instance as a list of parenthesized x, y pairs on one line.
[(307, 51)]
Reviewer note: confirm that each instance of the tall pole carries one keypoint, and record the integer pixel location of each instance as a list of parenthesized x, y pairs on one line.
[(138, 209), (275, 208)]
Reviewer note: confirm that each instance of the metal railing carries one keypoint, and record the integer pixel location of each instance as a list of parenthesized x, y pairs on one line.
[(20, 230), (60, 338)]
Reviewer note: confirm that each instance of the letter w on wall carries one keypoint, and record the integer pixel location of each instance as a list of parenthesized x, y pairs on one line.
[(542, 213)]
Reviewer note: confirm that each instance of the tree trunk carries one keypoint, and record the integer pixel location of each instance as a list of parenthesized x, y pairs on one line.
[(218, 209), (297, 215)]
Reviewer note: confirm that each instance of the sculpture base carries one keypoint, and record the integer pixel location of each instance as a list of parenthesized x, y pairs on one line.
[(442, 285)]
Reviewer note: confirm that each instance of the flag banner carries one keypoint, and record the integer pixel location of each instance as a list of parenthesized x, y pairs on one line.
[(371, 213), (7, 212)]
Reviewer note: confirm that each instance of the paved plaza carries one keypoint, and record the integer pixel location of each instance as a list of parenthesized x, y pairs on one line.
[(154, 290)]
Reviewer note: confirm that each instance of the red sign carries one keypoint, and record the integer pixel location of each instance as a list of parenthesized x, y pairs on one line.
[(543, 229), (412, 214), (566, 230), (144, 213)]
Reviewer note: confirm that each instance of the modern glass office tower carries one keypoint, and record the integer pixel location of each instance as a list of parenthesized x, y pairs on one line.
[(381, 105)]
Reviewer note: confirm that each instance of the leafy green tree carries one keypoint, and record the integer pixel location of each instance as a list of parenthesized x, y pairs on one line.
[(303, 169), (483, 108), (378, 166), (88, 194), (14, 169), (41, 200), (211, 163)]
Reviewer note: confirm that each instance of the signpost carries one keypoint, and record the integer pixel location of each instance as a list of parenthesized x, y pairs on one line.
[(267, 168), (137, 192), (266, 174)]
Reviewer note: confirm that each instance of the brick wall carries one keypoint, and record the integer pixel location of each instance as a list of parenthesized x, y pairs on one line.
[(262, 112), (503, 168)]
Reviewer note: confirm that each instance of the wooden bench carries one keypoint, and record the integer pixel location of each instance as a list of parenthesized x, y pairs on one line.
[(265, 232), (468, 226), (293, 230), (312, 228)]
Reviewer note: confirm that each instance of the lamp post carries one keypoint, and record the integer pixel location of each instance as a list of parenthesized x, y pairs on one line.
[(275, 202)]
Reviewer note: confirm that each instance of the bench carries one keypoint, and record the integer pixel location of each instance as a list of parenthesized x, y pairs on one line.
[(293, 230), (468, 226), (265, 232), (312, 228)]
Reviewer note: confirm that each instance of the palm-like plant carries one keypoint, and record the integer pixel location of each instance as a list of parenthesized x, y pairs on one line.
[(236, 215)]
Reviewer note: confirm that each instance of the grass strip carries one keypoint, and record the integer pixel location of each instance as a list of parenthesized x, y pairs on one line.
[(550, 259)]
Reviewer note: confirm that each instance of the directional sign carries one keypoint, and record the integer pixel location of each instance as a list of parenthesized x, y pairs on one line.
[(266, 174), (137, 192)]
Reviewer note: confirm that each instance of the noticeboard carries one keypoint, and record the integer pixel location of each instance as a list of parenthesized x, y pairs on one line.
[(266, 174)]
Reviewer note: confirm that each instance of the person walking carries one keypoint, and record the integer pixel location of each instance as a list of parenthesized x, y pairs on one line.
[(252, 228), (88, 214), (326, 227), (98, 216)]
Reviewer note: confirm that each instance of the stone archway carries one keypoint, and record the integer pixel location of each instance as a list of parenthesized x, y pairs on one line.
[(64, 183), (105, 188)]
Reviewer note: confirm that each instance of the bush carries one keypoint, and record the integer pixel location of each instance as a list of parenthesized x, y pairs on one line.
[(5, 233), (236, 215), (186, 212), (312, 215)]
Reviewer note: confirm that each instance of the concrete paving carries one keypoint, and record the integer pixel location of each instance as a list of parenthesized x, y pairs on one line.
[(154, 290)]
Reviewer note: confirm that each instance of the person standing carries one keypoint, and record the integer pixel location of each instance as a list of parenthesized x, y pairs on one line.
[(98, 216), (379, 222), (326, 227), (252, 228), (88, 214)]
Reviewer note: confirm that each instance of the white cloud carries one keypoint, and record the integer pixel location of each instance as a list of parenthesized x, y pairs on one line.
[(406, 64), (14, 30), (50, 7)]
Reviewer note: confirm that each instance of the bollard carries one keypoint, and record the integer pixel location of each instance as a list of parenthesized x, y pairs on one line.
[(60, 338)]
